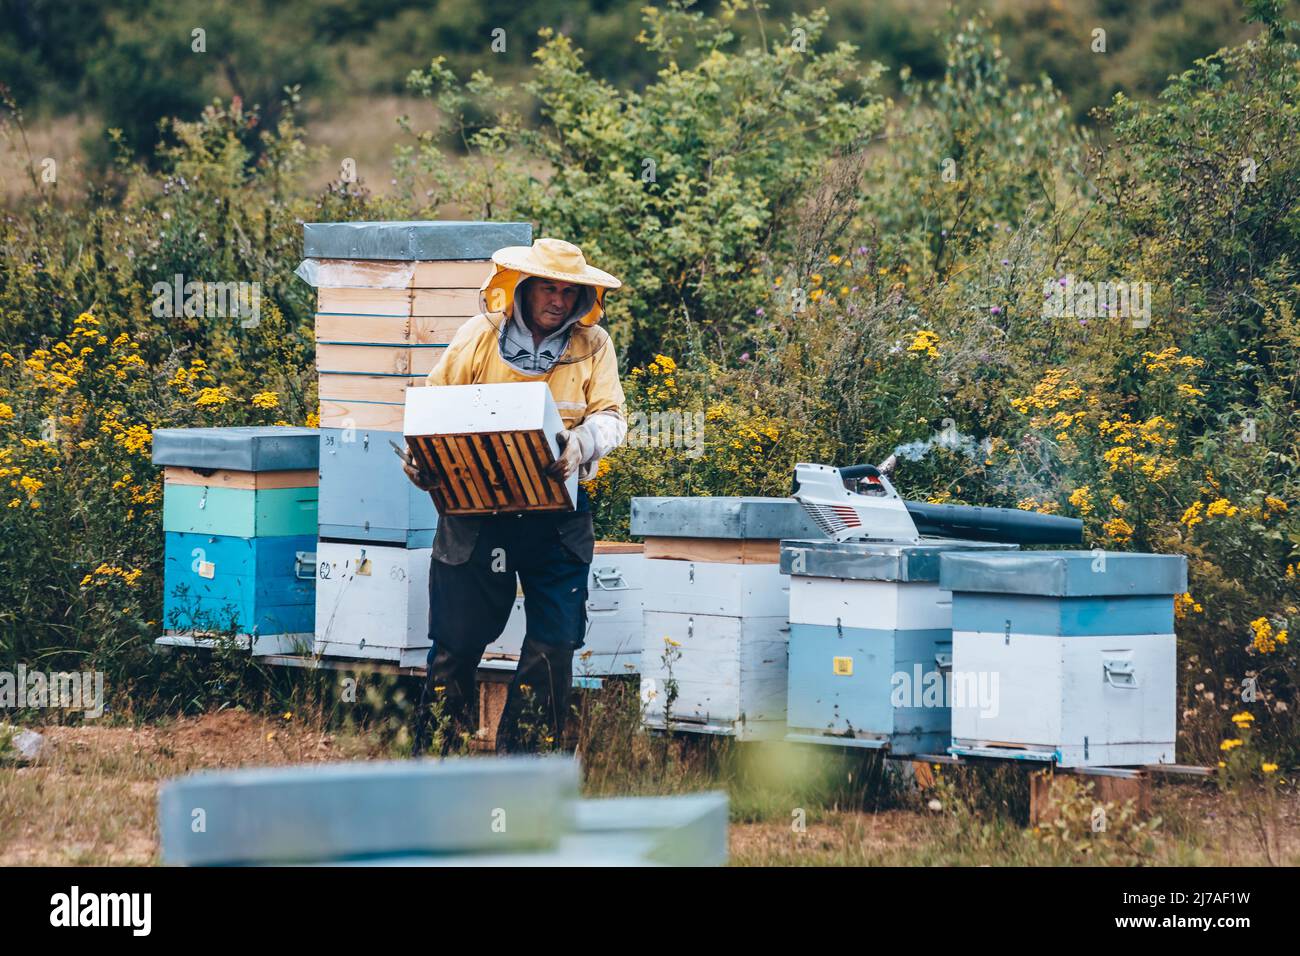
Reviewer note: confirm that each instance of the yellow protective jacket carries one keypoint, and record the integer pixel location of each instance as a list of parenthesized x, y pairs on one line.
[(580, 388), (587, 393)]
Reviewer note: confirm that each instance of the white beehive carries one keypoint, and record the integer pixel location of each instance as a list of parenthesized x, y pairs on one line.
[(716, 604), (490, 446), (372, 602), (1064, 656)]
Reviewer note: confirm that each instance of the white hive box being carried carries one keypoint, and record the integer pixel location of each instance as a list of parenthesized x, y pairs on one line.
[(489, 445)]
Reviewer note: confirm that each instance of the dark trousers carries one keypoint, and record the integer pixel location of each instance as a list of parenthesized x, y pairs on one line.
[(469, 605)]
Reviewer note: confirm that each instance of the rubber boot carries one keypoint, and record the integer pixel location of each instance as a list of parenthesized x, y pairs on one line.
[(537, 704), (450, 695)]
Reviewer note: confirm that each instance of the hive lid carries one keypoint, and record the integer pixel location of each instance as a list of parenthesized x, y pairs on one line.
[(1065, 573), (412, 240), (243, 448), (875, 560), (328, 812), (744, 518)]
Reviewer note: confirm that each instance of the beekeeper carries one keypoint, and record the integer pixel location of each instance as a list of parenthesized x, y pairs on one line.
[(540, 310)]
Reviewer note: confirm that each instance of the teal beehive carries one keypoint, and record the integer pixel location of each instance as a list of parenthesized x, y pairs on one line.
[(240, 512)]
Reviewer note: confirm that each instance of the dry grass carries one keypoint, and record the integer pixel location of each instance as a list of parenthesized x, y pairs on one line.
[(91, 800), (58, 139), (92, 797), (365, 130)]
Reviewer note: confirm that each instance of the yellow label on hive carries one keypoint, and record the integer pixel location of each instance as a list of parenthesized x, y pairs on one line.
[(843, 666)]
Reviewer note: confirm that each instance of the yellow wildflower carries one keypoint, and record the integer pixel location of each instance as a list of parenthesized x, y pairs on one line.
[(212, 397), (925, 342), (1221, 507), (1266, 638), (1185, 603), (1118, 528)]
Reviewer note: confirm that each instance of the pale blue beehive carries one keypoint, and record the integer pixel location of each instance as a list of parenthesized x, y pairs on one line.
[(518, 811), (1065, 656), (870, 643), (366, 496)]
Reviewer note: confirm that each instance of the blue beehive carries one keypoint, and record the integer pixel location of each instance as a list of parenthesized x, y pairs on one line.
[(251, 585), (365, 495), (1064, 656), (870, 643), (239, 515)]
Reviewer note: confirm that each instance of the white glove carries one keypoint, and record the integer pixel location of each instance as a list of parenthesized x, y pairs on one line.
[(570, 455)]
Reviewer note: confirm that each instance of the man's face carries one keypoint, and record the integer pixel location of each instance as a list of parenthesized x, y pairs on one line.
[(548, 302)]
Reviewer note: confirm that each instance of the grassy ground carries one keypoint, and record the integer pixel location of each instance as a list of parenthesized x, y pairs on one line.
[(91, 800)]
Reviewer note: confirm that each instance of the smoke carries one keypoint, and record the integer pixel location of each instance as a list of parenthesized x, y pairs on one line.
[(949, 438)]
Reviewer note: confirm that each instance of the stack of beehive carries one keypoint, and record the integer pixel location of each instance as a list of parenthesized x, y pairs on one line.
[(871, 643), (1064, 656), (390, 297), (716, 604), (239, 513)]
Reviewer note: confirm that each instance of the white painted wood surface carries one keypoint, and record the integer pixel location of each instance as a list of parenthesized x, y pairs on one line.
[(700, 587), (730, 675), (371, 602), (887, 605), (1053, 693)]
